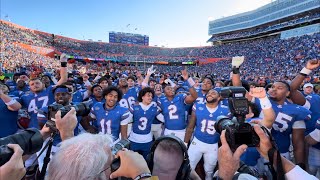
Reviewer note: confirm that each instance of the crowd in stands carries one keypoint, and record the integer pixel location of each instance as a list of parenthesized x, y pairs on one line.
[(265, 28), (160, 100), (269, 55)]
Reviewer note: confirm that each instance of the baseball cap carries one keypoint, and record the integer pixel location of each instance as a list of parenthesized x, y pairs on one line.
[(307, 85)]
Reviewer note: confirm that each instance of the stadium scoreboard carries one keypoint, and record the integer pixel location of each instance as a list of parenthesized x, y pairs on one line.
[(128, 38)]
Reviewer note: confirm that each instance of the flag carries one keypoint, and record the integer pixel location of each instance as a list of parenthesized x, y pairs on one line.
[(128, 25)]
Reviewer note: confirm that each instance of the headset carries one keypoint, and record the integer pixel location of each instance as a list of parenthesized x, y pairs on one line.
[(185, 169)]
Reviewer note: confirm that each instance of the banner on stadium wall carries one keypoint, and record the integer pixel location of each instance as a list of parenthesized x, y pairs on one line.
[(161, 62), (36, 49), (210, 60)]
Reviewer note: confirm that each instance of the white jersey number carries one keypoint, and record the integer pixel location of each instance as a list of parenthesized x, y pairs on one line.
[(33, 107), (173, 109), (105, 126), (281, 122), (208, 126), (143, 123)]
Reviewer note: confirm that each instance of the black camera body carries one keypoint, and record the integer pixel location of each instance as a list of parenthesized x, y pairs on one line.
[(30, 141), (82, 109), (123, 143), (238, 132)]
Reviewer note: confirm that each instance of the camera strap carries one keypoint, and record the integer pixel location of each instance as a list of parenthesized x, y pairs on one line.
[(279, 175), (42, 150)]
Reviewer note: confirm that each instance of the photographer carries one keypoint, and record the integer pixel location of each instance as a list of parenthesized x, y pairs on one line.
[(229, 162), (88, 157), (31, 141), (14, 168)]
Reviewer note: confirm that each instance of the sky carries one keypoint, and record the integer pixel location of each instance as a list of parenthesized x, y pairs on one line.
[(168, 23)]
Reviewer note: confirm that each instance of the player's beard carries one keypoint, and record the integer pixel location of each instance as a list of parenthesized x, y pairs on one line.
[(212, 101)]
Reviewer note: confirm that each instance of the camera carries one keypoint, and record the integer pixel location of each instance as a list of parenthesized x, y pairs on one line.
[(82, 109), (238, 132), (123, 143), (30, 141)]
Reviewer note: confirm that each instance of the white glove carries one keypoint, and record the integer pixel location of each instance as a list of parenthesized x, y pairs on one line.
[(151, 70), (64, 57), (237, 61), (168, 81)]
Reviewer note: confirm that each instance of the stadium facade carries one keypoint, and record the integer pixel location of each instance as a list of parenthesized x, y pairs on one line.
[(274, 18)]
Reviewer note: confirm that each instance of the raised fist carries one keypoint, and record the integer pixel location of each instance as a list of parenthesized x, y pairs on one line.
[(313, 64), (258, 92)]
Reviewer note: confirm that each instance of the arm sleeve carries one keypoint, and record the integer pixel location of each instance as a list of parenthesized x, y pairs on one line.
[(315, 134), (126, 118), (299, 125), (298, 173)]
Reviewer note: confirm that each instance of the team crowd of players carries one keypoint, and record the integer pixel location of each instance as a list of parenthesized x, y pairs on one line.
[(140, 108)]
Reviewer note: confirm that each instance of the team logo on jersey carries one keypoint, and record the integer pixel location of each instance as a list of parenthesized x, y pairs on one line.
[(97, 108), (193, 143), (136, 108), (201, 108)]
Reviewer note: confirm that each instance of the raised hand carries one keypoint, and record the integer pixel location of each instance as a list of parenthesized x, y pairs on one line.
[(150, 71), (313, 64), (64, 57), (185, 74), (237, 61), (258, 92)]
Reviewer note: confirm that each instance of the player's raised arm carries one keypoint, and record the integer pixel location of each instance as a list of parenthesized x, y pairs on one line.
[(295, 95), (269, 115), (145, 81), (236, 62), (63, 69), (193, 93)]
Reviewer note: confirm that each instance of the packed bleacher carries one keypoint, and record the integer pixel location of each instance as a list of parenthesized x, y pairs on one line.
[(140, 104)]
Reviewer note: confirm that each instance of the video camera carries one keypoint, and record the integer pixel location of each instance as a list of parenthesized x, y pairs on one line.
[(30, 141), (238, 132), (82, 109)]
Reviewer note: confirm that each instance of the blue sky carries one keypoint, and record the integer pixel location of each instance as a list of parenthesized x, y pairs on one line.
[(170, 23)]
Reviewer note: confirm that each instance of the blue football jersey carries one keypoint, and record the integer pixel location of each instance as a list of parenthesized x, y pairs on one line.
[(110, 120), (142, 119), (12, 85), (314, 101), (129, 98), (8, 120), (79, 96), (205, 120), (286, 116), (32, 102), (174, 112), (95, 101), (201, 97)]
